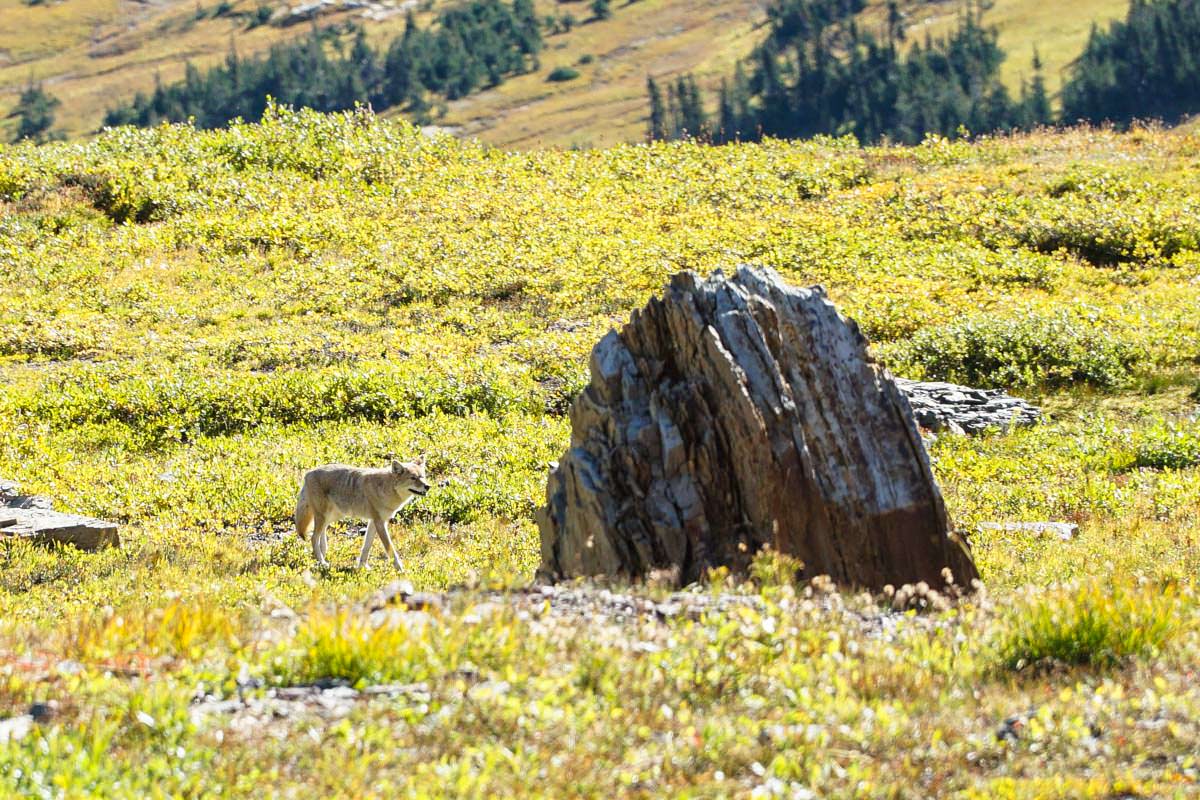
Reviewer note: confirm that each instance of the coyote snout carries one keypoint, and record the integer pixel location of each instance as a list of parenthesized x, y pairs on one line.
[(334, 491)]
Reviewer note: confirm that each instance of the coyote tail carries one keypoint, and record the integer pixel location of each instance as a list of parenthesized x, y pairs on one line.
[(304, 515)]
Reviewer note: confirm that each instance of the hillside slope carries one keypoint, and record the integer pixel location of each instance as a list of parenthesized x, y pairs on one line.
[(94, 53)]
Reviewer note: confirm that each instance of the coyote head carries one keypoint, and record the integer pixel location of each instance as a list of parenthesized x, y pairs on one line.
[(411, 476)]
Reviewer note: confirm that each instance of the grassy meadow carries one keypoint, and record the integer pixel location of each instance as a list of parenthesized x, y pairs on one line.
[(191, 319)]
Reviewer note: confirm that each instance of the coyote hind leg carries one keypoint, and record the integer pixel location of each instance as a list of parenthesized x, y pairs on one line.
[(319, 542), (304, 514)]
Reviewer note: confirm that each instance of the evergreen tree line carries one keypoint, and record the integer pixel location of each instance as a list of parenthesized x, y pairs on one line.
[(1145, 66), (818, 72), (472, 46), (815, 72)]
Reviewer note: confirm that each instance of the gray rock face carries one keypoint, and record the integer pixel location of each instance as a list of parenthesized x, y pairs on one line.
[(949, 407), (736, 413), (32, 517)]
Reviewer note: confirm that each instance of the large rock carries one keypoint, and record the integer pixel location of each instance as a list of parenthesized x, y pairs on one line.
[(31, 517), (739, 412), (939, 406)]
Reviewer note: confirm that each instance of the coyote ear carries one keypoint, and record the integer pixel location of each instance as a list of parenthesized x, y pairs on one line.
[(397, 466), (420, 462)]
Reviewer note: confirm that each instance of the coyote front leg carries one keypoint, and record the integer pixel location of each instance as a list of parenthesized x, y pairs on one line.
[(366, 548), (385, 537)]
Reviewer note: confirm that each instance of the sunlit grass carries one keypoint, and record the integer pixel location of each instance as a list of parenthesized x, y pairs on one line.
[(1093, 624)]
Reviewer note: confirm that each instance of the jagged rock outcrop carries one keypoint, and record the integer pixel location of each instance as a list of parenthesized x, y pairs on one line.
[(735, 413), (32, 517), (939, 406)]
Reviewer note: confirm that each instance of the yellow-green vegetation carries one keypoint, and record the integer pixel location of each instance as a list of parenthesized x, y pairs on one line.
[(191, 319), (1098, 624)]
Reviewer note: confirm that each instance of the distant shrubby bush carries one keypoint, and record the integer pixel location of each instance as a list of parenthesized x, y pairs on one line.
[(1032, 351), (16, 175), (562, 74), (1168, 446), (181, 405), (37, 337), (1105, 230)]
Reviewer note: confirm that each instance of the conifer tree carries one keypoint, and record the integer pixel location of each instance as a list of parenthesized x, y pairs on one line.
[(1036, 106), (35, 113), (1145, 66), (727, 120), (895, 23), (658, 112)]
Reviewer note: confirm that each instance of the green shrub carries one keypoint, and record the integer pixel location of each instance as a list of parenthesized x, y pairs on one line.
[(559, 74), (38, 337), (260, 16), (177, 406), (125, 198), (16, 177), (341, 647), (1168, 446), (1105, 220), (1095, 624), (771, 568), (346, 646), (1032, 351)]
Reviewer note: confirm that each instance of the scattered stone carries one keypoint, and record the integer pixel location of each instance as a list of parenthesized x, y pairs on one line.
[(488, 689), (32, 517), (14, 729), (735, 413), (305, 12), (43, 712), (938, 407), (329, 700), (1063, 530), (397, 689), (401, 593), (11, 497), (368, 9), (1010, 730)]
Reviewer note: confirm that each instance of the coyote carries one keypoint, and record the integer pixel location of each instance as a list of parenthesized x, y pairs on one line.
[(334, 491)]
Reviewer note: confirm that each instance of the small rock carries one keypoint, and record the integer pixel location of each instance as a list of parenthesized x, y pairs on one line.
[(43, 712), (939, 406), (486, 689), (32, 517), (1066, 531), (14, 729)]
